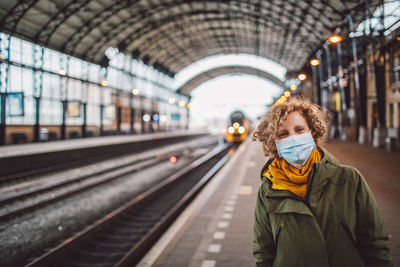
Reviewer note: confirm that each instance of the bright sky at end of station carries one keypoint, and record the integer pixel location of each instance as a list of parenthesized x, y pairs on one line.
[(213, 101), (229, 60)]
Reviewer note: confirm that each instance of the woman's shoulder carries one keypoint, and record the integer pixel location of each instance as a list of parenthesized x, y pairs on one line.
[(331, 161), (337, 169), (352, 173), (341, 173)]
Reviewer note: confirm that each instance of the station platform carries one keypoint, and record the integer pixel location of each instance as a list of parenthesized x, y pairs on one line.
[(79, 143), (216, 229), (27, 159)]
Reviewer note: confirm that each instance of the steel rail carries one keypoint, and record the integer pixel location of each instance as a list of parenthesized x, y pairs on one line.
[(135, 254), (135, 226), (97, 176), (50, 197)]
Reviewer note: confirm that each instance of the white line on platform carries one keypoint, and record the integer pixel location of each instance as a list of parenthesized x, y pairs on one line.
[(219, 235), (251, 164), (208, 263), (226, 216), (223, 224), (229, 208), (231, 202), (214, 248), (245, 190)]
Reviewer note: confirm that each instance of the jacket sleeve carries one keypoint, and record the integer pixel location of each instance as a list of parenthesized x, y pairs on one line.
[(263, 243), (372, 240)]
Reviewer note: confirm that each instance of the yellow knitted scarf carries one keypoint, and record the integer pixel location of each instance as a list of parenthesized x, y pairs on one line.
[(286, 177)]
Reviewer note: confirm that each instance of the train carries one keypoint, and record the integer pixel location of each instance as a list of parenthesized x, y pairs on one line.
[(239, 127)]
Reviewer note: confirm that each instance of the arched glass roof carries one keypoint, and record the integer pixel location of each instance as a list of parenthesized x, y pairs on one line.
[(172, 34)]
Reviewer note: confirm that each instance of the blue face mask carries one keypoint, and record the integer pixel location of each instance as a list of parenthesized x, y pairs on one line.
[(296, 149)]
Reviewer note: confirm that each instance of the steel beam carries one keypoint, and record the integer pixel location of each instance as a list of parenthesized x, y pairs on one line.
[(10, 21)]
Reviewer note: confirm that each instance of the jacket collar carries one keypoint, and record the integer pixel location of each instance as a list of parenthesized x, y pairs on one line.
[(328, 169)]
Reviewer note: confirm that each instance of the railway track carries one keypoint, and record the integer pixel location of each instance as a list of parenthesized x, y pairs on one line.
[(25, 197), (31, 166), (123, 236)]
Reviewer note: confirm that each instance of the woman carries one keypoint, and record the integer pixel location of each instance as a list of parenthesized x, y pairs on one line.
[(311, 210)]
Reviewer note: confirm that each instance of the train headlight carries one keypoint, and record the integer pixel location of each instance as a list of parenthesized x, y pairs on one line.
[(231, 130), (241, 129), (235, 125)]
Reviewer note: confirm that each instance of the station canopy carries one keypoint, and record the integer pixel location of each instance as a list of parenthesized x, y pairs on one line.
[(171, 34)]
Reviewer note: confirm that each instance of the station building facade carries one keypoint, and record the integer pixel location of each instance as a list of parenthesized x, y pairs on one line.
[(48, 95)]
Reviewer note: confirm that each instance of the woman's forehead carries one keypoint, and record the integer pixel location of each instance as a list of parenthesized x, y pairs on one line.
[(293, 118)]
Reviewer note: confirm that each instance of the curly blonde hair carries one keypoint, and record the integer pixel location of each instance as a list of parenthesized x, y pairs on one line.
[(267, 130)]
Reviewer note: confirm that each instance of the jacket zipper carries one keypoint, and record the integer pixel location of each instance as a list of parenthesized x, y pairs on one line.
[(278, 231)]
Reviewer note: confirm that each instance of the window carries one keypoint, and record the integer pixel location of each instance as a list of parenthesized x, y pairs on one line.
[(395, 71)]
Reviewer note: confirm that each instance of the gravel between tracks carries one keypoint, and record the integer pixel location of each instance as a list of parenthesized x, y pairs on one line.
[(29, 234)]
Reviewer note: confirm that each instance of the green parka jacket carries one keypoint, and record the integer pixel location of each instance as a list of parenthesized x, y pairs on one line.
[(337, 225)]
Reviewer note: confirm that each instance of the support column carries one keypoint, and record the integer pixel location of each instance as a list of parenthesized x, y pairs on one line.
[(132, 120), (356, 76), (3, 119), (103, 78), (4, 67), (152, 130), (142, 112), (132, 101), (142, 125), (342, 116), (153, 113), (380, 71), (341, 85), (101, 119), (63, 124), (328, 65), (327, 93), (363, 134), (36, 127), (320, 77), (84, 124), (132, 98), (380, 92), (38, 57), (317, 86), (119, 119), (64, 95), (187, 118), (84, 99)]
